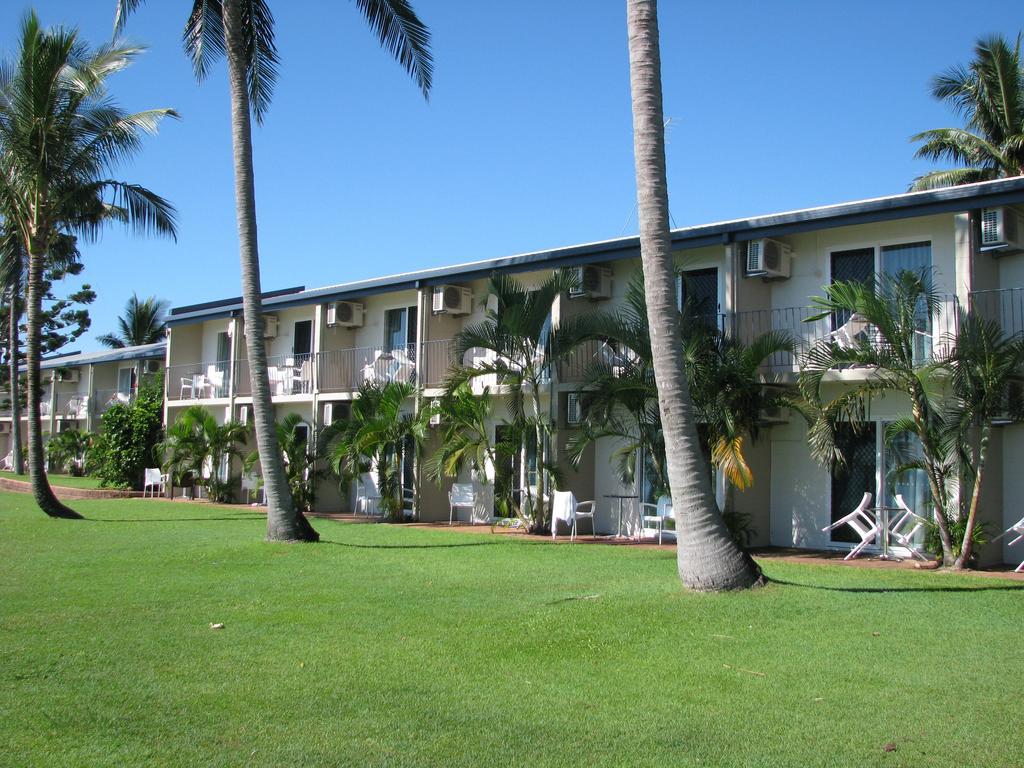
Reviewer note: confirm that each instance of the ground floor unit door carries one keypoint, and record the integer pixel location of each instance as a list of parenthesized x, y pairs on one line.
[(855, 476)]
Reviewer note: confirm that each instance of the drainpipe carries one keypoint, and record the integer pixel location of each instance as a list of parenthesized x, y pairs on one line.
[(91, 401)]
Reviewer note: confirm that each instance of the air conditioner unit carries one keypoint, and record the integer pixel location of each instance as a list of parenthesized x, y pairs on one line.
[(5, 427), (591, 282), (328, 413), (244, 414), (776, 415), (435, 417), (345, 314), (452, 300), (767, 258), (151, 366), (70, 375), (573, 409), (1001, 229), (269, 326)]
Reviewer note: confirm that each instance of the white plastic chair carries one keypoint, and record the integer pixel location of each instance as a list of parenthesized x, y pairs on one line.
[(154, 482), (659, 514), (863, 524), (214, 380), (1017, 528), (461, 495), (845, 336), (251, 486), (367, 497), (7, 464), (565, 507), (906, 527), (194, 383)]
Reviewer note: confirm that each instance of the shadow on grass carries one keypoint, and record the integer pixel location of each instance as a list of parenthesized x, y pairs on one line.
[(412, 546), (883, 590), (230, 518)]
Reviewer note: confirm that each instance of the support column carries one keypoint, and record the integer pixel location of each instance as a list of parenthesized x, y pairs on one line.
[(91, 395)]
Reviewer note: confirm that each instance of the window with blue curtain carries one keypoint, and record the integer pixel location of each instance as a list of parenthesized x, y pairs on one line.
[(916, 258)]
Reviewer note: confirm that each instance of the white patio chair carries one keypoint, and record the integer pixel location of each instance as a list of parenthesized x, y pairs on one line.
[(194, 383), (845, 336), (7, 464), (863, 524), (461, 495), (154, 482), (906, 527), (214, 380), (367, 497), (251, 486), (657, 515), (565, 507), (1017, 528)]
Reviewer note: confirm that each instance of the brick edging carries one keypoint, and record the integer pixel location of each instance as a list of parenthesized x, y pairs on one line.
[(21, 486)]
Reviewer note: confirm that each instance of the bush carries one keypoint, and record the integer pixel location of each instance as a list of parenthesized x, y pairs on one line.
[(957, 529), (130, 431)]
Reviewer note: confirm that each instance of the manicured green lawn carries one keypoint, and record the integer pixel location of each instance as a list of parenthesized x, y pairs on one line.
[(391, 646), (64, 481)]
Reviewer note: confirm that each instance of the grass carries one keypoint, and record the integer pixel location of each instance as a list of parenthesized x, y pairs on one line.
[(388, 646), (64, 481)]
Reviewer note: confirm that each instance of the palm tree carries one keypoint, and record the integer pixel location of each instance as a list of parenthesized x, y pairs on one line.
[(729, 396), (243, 32), (141, 323), (465, 437), (985, 365), (69, 451), (989, 95), (302, 457), (197, 445), (60, 137), (707, 556), (12, 259), (377, 437), (521, 349), (898, 309)]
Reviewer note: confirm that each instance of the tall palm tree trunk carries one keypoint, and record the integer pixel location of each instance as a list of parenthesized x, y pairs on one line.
[(284, 522), (13, 349), (41, 490), (708, 559)]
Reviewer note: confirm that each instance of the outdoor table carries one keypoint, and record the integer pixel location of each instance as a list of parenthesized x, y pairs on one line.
[(882, 515), (619, 497)]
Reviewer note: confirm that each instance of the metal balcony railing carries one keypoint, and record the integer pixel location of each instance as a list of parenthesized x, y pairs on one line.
[(197, 381), (288, 374), (344, 370), (105, 399), (438, 360), (1003, 306)]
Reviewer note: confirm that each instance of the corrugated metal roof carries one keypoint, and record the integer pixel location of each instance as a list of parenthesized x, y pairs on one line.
[(906, 205), (144, 352)]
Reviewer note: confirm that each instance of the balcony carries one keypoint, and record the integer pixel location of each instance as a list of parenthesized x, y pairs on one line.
[(345, 370), (105, 399), (72, 405), (288, 374), (1004, 307), (197, 381)]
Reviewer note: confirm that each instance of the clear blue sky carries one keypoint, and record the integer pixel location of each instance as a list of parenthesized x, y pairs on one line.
[(525, 143)]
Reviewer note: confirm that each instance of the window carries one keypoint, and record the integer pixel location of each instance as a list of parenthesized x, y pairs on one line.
[(223, 347), (857, 265), (302, 338), (399, 328), (697, 291), (125, 381)]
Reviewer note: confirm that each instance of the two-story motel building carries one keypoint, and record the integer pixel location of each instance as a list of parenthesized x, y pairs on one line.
[(324, 342)]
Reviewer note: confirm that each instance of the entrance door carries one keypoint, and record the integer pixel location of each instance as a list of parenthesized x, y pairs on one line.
[(399, 329), (856, 477), (302, 340)]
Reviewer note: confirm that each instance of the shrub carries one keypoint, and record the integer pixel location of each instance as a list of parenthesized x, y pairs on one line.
[(130, 431)]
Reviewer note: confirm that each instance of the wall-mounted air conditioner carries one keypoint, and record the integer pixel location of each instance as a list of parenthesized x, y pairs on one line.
[(591, 282), (151, 366), (328, 413), (70, 375), (573, 409), (244, 414), (774, 415), (452, 300), (1001, 229), (269, 326), (345, 314), (767, 258)]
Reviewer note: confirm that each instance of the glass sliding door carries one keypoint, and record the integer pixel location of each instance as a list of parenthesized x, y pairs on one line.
[(857, 265), (915, 258), (399, 328), (697, 291), (850, 481), (911, 484)]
